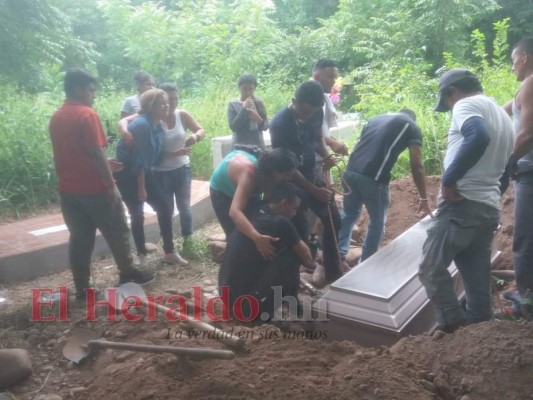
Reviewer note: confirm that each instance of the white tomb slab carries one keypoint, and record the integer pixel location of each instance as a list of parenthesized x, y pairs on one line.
[(382, 299), (221, 145)]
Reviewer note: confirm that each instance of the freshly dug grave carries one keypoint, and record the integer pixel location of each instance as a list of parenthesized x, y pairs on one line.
[(493, 360)]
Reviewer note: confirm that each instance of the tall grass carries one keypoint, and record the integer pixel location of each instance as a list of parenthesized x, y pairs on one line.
[(27, 177)]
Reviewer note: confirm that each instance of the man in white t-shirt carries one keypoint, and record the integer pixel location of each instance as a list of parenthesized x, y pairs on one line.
[(325, 72), (132, 105), (480, 141)]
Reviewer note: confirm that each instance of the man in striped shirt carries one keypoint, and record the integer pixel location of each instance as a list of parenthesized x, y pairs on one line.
[(368, 174)]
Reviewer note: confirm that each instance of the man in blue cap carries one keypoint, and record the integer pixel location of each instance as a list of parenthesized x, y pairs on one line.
[(480, 141)]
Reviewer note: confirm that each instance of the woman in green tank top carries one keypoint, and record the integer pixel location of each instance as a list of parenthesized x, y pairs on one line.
[(238, 183)]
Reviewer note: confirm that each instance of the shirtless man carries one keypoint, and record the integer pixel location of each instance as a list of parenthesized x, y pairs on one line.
[(520, 167)]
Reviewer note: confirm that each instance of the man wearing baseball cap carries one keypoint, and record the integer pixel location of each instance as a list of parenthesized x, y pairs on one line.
[(480, 141)]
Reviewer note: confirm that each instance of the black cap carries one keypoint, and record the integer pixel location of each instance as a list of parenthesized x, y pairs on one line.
[(447, 80)]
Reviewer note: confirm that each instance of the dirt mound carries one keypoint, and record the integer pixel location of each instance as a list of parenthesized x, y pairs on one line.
[(487, 361)]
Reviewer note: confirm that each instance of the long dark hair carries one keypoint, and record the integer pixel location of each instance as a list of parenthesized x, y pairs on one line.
[(277, 160)]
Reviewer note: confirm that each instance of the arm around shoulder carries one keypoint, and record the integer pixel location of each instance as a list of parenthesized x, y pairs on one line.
[(123, 128)]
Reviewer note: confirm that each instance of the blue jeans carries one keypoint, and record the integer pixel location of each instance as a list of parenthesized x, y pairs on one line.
[(523, 233), (175, 185), (460, 232), (376, 199)]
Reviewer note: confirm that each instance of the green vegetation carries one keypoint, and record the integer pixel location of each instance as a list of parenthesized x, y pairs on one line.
[(390, 51)]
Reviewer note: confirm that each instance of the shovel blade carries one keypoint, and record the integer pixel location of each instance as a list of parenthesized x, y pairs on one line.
[(76, 348)]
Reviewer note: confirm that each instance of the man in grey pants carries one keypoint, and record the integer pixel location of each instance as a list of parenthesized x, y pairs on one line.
[(480, 141), (89, 197)]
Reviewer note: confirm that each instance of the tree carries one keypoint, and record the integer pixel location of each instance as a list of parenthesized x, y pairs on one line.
[(294, 14), (35, 38), (443, 25), (204, 40)]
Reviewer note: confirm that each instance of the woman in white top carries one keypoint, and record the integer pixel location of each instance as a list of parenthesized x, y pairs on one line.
[(173, 173)]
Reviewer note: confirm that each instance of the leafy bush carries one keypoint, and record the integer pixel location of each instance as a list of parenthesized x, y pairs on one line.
[(408, 82), (27, 177)]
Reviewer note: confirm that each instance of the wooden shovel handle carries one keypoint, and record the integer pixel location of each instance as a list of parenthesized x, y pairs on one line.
[(150, 348), (228, 339), (503, 274)]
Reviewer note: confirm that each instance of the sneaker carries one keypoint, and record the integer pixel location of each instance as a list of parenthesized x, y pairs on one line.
[(175, 259), (137, 276), (141, 259), (150, 247)]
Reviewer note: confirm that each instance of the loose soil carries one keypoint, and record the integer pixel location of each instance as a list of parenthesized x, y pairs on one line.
[(492, 360)]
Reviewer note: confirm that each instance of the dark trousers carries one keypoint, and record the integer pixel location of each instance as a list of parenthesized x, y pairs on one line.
[(222, 204), (127, 184), (523, 233), (283, 273), (331, 222), (460, 232), (278, 277), (83, 215)]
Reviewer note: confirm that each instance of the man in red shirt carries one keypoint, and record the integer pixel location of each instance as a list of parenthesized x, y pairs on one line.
[(89, 198)]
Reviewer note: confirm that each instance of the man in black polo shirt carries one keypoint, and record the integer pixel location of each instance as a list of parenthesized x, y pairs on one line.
[(368, 175), (247, 273), (298, 127)]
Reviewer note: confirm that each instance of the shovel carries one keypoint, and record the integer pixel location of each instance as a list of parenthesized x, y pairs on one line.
[(132, 289), (83, 341), (304, 285)]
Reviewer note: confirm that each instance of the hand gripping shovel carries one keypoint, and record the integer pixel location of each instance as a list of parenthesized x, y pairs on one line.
[(134, 290), (83, 341)]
